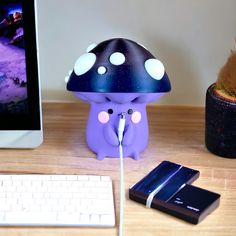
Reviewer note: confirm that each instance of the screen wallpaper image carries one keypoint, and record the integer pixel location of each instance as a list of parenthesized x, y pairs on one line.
[(13, 81)]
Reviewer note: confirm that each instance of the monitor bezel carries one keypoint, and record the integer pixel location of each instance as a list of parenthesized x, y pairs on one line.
[(31, 120)]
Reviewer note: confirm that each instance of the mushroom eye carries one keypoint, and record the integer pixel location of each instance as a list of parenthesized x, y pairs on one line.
[(84, 63), (155, 68), (136, 117), (130, 111), (103, 117), (110, 111)]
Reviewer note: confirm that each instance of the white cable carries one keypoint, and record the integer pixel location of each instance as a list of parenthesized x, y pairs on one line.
[(121, 190), (121, 129)]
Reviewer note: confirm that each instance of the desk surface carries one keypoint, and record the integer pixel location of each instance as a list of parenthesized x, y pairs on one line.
[(176, 134)]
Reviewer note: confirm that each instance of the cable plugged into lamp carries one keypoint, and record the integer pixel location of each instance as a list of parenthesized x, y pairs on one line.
[(121, 127)]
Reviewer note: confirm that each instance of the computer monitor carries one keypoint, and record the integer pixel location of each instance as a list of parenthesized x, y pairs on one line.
[(20, 103)]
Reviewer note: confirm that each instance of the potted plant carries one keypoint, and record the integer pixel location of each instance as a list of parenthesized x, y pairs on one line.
[(220, 130)]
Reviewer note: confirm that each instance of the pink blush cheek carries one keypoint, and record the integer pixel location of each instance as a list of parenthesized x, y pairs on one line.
[(136, 117), (103, 117)]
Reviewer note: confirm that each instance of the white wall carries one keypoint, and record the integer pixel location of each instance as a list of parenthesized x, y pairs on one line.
[(192, 38)]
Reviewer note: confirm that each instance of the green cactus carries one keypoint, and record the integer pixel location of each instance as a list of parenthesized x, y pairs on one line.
[(226, 82)]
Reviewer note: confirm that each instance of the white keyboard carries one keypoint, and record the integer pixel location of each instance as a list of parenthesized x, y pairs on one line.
[(56, 200)]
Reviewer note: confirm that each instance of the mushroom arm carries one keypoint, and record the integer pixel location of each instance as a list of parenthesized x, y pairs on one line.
[(128, 135), (110, 135)]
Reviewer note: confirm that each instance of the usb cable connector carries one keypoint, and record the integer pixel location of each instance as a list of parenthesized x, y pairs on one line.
[(121, 127)]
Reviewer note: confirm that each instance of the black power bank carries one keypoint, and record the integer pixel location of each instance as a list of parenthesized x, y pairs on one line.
[(167, 188)]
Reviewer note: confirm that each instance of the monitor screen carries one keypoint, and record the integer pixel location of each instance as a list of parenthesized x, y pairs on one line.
[(19, 89), (13, 80)]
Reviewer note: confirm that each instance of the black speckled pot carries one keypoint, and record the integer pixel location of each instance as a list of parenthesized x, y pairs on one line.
[(220, 130)]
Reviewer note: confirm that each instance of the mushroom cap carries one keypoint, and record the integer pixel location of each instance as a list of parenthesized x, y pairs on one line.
[(118, 66)]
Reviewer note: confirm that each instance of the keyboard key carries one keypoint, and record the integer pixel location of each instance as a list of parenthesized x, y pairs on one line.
[(94, 178), (107, 220), (32, 217), (84, 218), (95, 219)]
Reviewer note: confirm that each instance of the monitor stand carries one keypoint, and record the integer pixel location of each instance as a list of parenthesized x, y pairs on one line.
[(21, 139)]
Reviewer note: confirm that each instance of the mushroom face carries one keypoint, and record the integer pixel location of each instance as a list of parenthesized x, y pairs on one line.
[(118, 66)]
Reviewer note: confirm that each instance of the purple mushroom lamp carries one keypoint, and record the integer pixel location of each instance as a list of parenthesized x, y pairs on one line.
[(117, 76)]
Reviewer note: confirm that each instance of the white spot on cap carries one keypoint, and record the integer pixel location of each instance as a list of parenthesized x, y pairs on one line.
[(67, 79), (91, 47), (102, 70), (68, 76), (117, 58), (84, 63), (155, 68)]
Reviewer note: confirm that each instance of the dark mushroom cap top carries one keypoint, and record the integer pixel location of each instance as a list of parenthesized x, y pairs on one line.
[(118, 66)]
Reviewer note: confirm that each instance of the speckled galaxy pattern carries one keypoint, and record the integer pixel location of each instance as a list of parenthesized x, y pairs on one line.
[(13, 82)]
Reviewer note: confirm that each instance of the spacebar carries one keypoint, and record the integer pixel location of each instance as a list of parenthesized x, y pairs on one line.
[(27, 218)]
